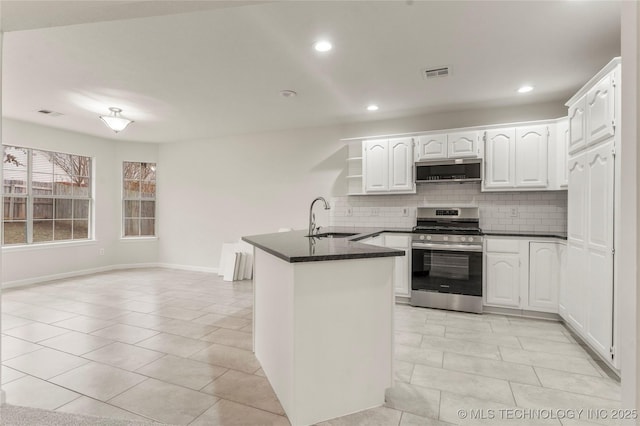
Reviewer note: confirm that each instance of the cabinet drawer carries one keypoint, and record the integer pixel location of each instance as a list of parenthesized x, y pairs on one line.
[(503, 246)]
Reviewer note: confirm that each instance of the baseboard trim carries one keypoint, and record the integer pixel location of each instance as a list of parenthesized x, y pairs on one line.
[(188, 268), (81, 272), (521, 313)]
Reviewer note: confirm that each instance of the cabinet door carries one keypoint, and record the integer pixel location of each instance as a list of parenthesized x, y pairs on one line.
[(531, 157), (544, 276), (577, 139), (562, 153), (577, 199), (503, 279), (375, 154), (599, 324), (432, 147), (577, 279), (401, 164), (462, 144), (499, 158), (401, 274), (577, 271), (562, 291), (600, 111)]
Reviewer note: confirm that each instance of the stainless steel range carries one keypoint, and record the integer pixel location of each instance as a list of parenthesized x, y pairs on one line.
[(447, 259)]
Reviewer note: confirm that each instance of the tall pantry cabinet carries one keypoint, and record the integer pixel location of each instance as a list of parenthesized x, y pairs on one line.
[(589, 304)]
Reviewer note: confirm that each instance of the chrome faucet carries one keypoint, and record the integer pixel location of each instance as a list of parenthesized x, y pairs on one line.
[(312, 216)]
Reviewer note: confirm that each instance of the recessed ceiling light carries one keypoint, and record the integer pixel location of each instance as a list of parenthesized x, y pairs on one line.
[(372, 107), (322, 46), (288, 93), (525, 89)]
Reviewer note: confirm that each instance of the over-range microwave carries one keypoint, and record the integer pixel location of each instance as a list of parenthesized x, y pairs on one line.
[(453, 170)]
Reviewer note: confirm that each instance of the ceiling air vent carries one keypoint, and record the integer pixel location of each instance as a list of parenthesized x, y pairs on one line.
[(436, 72), (50, 113)]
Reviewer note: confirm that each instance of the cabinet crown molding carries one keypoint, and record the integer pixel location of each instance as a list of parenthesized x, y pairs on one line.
[(589, 84)]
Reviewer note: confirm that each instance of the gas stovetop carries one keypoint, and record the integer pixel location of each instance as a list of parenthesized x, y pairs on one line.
[(447, 225)]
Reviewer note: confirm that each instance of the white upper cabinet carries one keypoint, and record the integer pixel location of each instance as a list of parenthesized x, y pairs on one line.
[(462, 145), (499, 159), (431, 147), (562, 154), (593, 110), (401, 164), (375, 154), (577, 138), (388, 165), (531, 157), (516, 158), (600, 110), (448, 145)]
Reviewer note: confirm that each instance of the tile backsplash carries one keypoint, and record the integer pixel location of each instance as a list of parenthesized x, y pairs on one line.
[(499, 211)]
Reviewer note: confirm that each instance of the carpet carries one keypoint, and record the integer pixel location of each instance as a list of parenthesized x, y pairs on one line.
[(12, 415)]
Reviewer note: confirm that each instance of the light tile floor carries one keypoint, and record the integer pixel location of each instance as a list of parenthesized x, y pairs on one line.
[(175, 347)]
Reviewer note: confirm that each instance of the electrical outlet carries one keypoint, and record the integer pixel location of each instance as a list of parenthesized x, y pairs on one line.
[(514, 212), (349, 211), (405, 211), (375, 211), (101, 252)]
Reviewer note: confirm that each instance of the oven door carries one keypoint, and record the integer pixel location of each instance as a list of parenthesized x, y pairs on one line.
[(447, 269)]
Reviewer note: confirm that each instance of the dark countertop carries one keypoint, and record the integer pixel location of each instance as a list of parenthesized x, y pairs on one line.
[(294, 247), (530, 234)]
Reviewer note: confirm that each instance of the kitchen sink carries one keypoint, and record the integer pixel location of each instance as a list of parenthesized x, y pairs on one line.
[(333, 235)]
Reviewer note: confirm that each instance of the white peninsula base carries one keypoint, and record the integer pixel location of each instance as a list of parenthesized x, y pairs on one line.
[(323, 332)]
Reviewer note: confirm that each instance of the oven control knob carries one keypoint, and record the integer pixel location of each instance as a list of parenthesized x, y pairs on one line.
[(470, 239), (429, 237), (462, 239), (422, 237), (445, 238)]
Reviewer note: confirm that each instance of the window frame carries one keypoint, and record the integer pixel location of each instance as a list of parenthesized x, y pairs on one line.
[(30, 198), (140, 199)]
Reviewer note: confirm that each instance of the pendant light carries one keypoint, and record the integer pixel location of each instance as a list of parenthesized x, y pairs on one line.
[(115, 121)]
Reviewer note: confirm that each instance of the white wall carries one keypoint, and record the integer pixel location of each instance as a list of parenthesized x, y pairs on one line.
[(629, 297), (37, 262), (215, 191)]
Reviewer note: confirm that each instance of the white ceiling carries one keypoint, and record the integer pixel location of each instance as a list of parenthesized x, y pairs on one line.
[(188, 70)]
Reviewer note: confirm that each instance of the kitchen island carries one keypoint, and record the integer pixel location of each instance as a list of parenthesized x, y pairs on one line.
[(323, 323)]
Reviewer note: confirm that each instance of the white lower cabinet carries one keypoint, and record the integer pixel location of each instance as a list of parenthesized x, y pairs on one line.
[(402, 275), (521, 273), (545, 276), (402, 270), (503, 272), (503, 279)]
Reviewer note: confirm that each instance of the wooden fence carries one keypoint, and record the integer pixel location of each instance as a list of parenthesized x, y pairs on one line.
[(15, 201)]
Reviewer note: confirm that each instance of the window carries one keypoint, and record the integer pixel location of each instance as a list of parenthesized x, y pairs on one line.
[(139, 199), (46, 196)]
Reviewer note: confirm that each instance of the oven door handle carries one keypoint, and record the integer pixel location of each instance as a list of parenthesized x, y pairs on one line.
[(448, 247)]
